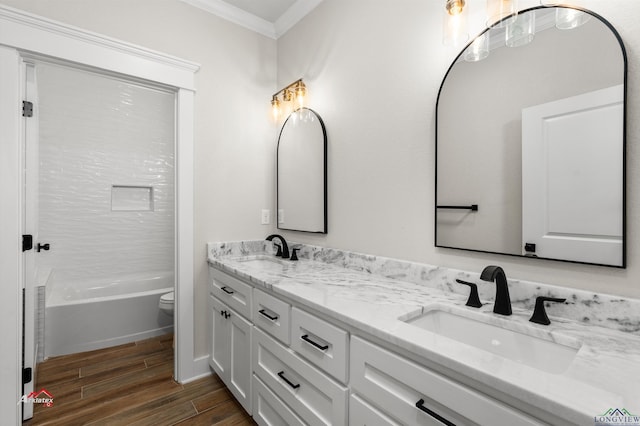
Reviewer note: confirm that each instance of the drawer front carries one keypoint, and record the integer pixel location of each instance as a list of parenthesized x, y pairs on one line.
[(416, 395), (312, 395), (272, 315), (323, 344), (363, 414), (236, 294), (269, 410)]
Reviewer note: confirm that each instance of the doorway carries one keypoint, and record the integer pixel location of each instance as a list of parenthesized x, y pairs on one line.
[(24, 32)]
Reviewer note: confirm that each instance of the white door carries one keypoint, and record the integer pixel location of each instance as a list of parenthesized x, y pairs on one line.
[(572, 172), (30, 221)]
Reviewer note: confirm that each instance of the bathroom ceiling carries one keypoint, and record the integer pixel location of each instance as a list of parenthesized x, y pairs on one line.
[(268, 17), (269, 10)]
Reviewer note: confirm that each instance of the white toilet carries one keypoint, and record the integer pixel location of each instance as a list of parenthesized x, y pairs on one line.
[(166, 303)]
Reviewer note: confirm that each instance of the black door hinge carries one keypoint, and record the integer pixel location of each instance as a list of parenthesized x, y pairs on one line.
[(27, 109), (27, 242), (27, 375)]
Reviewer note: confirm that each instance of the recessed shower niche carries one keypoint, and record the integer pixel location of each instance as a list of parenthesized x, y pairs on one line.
[(131, 198)]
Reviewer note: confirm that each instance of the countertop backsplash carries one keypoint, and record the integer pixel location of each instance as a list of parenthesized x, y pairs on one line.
[(614, 312)]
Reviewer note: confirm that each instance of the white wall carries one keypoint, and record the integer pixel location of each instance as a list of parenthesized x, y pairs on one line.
[(373, 70), (233, 132)]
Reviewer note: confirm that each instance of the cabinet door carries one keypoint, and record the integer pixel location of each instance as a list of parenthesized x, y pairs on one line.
[(240, 332), (231, 351), (220, 353)]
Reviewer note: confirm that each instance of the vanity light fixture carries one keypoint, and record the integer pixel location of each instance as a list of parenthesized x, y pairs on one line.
[(454, 25), (501, 12), (478, 49), (568, 19), (295, 91), (521, 31)]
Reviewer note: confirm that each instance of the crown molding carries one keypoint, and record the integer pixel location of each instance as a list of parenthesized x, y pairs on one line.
[(250, 21), (236, 15), (293, 15)]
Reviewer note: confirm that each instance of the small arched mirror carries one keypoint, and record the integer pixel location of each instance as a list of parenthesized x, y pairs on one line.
[(302, 173), (530, 140)]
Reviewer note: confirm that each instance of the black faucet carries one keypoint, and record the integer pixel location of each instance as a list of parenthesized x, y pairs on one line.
[(285, 247), (502, 304)]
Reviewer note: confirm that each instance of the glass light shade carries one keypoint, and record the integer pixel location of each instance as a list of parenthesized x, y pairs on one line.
[(501, 12), (454, 27), (300, 96), (568, 19), (275, 109), (479, 49), (521, 31)]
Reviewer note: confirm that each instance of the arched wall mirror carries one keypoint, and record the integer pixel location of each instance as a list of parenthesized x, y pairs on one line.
[(530, 142), (302, 173)]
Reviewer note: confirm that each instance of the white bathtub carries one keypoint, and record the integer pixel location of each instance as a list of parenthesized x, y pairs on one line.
[(85, 315)]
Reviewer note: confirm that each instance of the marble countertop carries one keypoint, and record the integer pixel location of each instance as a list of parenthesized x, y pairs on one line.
[(375, 295)]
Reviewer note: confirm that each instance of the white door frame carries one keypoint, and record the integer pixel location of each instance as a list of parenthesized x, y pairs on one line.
[(25, 32)]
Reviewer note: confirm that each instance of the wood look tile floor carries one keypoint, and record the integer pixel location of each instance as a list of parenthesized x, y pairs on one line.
[(131, 384)]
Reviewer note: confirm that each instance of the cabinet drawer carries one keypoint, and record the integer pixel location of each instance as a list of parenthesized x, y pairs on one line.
[(323, 344), (269, 410), (236, 294), (363, 414), (400, 386), (312, 395), (272, 315)]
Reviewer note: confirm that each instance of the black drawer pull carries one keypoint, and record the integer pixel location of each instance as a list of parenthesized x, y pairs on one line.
[(293, 385), (226, 290), (311, 342), (420, 405), (264, 313)]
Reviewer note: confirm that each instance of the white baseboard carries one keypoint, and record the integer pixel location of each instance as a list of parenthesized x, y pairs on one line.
[(200, 369)]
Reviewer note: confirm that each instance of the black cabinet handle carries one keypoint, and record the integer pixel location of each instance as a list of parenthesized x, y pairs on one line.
[(420, 405), (472, 207), (311, 342), (293, 385), (264, 313), (226, 290)]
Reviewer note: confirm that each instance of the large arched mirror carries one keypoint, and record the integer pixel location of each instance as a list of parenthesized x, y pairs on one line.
[(530, 141), (302, 173)]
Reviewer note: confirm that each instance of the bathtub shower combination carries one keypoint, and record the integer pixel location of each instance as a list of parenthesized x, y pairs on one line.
[(82, 316), (105, 205)]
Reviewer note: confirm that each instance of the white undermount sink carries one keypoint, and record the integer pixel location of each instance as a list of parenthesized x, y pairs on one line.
[(263, 261), (537, 352)]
